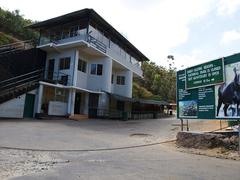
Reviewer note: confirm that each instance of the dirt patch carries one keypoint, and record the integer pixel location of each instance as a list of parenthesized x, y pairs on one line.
[(15, 163), (207, 140), (214, 152)]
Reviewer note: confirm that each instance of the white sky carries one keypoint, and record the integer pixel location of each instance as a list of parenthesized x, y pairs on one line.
[(193, 31)]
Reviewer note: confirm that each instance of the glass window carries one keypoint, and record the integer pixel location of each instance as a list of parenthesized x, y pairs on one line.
[(93, 68), (73, 31), (65, 33), (120, 80), (112, 79), (82, 65), (99, 69), (96, 69), (61, 95), (64, 63)]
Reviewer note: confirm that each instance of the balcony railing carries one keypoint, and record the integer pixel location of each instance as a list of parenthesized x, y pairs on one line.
[(134, 66), (57, 78)]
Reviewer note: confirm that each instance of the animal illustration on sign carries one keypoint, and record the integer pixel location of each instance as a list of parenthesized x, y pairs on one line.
[(229, 95)]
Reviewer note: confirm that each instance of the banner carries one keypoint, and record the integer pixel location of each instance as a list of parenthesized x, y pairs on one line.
[(210, 90)]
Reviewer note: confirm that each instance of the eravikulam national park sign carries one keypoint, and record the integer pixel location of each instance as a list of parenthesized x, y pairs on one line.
[(210, 90)]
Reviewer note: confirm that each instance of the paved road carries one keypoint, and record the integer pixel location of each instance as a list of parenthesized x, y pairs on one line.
[(157, 162), (86, 134), (152, 162)]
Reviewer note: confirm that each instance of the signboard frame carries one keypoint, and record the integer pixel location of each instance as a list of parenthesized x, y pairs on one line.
[(223, 74), (208, 94)]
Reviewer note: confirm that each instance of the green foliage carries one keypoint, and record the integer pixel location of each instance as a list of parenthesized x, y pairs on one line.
[(158, 80), (5, 39), (140, 92), (12, 23)]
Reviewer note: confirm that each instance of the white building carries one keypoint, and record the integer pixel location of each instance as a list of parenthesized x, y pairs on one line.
[(87, 62)]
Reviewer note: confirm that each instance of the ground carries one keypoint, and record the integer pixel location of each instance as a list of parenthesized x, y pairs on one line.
[(104, 149)]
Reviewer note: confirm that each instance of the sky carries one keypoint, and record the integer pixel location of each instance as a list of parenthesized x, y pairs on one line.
[(193, 31)]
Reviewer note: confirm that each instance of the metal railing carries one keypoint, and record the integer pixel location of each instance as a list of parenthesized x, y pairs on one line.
[(96, 43), (57, 78), (21, 45), (20, 83), (124, 115)]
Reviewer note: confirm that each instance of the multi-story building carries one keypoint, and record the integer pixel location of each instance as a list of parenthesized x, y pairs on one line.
[(88, 65)]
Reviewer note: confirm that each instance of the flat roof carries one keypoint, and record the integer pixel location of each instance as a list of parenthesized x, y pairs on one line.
[(92, 15)]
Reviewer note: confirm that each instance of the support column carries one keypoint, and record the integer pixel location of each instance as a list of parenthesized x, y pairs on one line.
[(39, 100), (128, 83), (75, 67), (71, 102)]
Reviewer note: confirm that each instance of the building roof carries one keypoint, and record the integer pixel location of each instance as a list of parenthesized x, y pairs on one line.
[(141, 101), (91, 15)]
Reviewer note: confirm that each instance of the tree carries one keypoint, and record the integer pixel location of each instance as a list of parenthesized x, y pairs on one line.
[(158, 80), (12, 23)]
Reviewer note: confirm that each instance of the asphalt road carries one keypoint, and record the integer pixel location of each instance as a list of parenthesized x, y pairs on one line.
[(148, 162)]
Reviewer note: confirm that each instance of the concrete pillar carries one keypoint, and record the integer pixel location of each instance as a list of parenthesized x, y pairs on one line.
[(107, 74), (75, 67), (71, 102), (39, 99), (128, 83)]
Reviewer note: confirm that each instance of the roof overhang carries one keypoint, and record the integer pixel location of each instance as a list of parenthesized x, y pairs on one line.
[(95, 18), (135, 100)]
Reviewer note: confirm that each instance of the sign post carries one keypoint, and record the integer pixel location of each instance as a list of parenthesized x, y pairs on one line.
[(210, 90)]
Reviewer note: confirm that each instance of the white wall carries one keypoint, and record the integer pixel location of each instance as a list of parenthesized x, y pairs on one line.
[(57, 108), (102, 82), (123, 90), (13, 108), (82, 77), (57, 56)]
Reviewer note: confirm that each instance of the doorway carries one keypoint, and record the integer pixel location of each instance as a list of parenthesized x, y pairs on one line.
[(77, 105), (51, 63), (29, 106), (120, 105)]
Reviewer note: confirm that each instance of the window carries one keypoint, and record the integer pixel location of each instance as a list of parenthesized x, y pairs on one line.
[(99, 69), (121, 80), (96, 69), (82, 65), (112, 79), (64, 63), (93, 68), (73, 31)]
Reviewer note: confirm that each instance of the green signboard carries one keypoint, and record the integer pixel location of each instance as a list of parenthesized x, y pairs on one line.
[(210, 99), (205, 74)]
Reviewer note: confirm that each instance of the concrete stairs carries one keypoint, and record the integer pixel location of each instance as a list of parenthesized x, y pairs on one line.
[(78, 117)]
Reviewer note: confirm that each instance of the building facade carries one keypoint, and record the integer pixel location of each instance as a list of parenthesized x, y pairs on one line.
[(87, 61)]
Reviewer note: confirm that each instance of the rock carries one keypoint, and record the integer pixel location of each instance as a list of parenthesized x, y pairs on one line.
[(234, 140), (206, 140)]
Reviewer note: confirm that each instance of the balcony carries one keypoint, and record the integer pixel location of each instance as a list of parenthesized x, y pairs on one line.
[(81, 36)]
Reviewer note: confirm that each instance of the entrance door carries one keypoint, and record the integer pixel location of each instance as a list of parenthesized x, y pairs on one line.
[(50, 69), (93, 100), (120, 105), (29, 105), (77, 105)]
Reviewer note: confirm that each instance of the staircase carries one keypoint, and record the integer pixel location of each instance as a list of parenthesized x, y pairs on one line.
[(19, 85), (16, 47)]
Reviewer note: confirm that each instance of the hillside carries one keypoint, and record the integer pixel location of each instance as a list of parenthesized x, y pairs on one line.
[(13, 27), (6, 39)]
